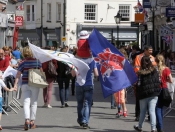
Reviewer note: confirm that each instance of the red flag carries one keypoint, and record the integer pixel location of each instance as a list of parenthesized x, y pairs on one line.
[(15, 37)]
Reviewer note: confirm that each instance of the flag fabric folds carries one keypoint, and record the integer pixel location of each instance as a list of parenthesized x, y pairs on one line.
[(115, 72), (79, 66), (140, 6), (21, 6)]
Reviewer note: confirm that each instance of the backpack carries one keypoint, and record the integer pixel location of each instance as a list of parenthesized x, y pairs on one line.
[(68, 72), (52, 69)]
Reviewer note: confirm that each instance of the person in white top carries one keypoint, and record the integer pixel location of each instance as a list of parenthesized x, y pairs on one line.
[(2, 85)]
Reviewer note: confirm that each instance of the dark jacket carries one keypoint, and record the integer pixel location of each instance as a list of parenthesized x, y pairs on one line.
[(148, 84), (62, 69)]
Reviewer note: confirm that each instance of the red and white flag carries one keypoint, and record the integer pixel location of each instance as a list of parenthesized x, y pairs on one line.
[(21, 7)]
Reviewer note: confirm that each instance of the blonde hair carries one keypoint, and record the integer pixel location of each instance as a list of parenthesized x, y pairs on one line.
[(160, 63), (5, 48), (123, 51), (27, 52)]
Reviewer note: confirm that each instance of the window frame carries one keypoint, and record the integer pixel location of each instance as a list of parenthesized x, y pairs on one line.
[(58, 11), (30, 16), (96, 9), (49, 12), (28, 13), (129, 17)]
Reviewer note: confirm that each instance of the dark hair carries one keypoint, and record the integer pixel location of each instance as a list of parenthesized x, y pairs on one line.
[(146, 62), (147, 47)]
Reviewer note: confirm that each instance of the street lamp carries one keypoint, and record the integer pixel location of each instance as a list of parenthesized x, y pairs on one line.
[(153, 9), (117, 19)]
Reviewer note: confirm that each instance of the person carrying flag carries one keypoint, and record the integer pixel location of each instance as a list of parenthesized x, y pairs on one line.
[(148, 50), (84, 93)]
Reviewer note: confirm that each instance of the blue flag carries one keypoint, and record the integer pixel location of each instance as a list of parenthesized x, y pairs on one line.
[(115, 72)]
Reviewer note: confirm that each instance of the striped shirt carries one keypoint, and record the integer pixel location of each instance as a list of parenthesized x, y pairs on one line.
[(25, 66)]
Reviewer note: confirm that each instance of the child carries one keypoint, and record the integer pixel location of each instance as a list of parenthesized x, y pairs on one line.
[(2, 85), (120, 96), (120, 101), (83, 50)]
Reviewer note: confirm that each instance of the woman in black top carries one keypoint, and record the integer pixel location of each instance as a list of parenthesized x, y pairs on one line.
[(148, 91)]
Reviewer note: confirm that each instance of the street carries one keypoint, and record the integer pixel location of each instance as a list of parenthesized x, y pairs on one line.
[(103, 118)]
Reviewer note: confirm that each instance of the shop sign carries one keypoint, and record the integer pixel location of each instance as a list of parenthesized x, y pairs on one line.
[(133, 24), (139, 18), (63, 39), (146, 4), (163, 3), (51, 37), (19, 21), (19, 13), (170, 12)]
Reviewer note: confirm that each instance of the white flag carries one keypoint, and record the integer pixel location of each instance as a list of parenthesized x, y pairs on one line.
[(79, 66)]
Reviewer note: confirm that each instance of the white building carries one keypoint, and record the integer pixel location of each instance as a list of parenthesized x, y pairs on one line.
[(87, 14), (80, 15)]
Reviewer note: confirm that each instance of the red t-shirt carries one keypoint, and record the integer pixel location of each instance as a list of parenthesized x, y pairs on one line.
[(4, 63), (165, 73), (83, 48)]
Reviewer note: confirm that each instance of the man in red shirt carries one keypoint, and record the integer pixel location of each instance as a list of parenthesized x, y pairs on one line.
[(4, 62)]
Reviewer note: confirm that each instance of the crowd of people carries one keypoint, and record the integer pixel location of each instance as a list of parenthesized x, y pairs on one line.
[(153, 73)]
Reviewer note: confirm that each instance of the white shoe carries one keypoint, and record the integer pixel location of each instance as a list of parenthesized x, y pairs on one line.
[(49, 106)]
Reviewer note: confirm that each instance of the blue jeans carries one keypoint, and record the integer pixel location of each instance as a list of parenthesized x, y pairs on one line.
[(62, 81), (151, 103), (159, 112), (84, 100), (113, 101)]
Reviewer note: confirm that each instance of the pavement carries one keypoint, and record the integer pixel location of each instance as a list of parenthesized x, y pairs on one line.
[(103, 118)]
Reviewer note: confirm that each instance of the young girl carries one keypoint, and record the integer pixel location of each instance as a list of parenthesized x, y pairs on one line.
[(2, 85), (120, 96)]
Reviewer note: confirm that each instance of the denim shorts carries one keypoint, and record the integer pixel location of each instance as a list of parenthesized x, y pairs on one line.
[(0, 104)]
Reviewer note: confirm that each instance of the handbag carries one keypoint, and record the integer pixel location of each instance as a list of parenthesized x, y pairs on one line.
[(166, 98), (36, 78)]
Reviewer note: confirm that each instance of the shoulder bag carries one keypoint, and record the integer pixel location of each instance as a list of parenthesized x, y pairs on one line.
[(36, 78)]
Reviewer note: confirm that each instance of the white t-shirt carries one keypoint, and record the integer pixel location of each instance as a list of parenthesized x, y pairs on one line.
[(2, 85)]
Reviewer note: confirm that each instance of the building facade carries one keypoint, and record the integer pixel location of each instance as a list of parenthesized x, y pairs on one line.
[(42, 20), (7, 23), (87, 14)]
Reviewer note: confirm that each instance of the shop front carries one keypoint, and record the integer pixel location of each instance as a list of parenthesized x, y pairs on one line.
[(126, 34), (52, 37), (30, 34)]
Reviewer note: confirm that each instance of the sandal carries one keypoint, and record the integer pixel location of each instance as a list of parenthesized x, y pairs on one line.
[(26, 125), (32, 125)]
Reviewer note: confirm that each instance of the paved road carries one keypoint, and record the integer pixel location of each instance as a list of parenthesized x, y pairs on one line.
[(102, 119)]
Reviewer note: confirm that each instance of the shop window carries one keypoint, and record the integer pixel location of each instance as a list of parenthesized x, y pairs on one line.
[(90, 12), (51, 43), (58, 15), (125, 12), (49, 11)]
